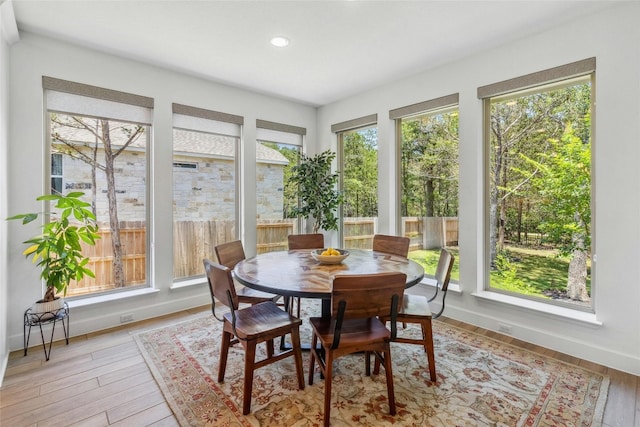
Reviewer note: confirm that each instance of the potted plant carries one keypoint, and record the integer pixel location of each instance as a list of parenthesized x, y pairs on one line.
[(317, 192), (57, 250)]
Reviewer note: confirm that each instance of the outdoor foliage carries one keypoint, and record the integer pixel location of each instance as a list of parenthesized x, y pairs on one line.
[(429, 175), (360, 174), (538, 273), (540, 180)]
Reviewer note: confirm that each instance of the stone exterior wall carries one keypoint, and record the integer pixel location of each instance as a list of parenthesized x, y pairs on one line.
[(269, 191), (210, 187)]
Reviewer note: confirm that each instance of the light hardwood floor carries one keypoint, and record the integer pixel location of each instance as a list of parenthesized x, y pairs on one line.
[(101, 379)]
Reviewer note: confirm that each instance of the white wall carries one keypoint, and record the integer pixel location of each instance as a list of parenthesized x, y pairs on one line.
[(35, 56), (611, 36), (4, 185)]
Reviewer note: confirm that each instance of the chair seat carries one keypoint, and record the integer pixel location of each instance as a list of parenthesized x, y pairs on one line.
[(354, 331), (414, 307), (262, 320), (252, 296)]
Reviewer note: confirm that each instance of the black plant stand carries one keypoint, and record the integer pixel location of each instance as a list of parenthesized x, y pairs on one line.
[(39, 319)]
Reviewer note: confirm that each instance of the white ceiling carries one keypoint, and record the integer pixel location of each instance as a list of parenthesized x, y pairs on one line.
[(337, 49)]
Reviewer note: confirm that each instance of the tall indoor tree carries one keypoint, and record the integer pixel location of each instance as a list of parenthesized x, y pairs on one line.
[(317, 190)]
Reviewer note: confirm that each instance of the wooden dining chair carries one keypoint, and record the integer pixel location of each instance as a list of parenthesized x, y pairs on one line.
[(395, 245), (250, 326), (304, 241), (357, 301), (231, 253), (415, 309)]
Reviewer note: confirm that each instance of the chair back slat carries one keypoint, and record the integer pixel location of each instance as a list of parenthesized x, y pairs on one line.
[(230, 253), (443, 271), (306, 241), (395, 245), (221, 284), (367, 295)]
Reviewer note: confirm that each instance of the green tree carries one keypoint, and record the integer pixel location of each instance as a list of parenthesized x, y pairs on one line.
[(563, 179), (360, 175), (429, 175), (522, 127)]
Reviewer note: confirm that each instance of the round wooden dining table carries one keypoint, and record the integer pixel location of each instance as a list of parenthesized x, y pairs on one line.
[(296, 273)]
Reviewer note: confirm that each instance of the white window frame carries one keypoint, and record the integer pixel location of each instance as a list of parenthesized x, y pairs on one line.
[(67, 97), (196, 119), (556, 78)]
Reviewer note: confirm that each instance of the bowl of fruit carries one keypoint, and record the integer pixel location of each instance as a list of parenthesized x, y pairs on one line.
[(329, 255)]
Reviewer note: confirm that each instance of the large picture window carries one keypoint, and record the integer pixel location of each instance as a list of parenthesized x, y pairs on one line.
[(99, 142), (539, 185), (428, 176), (278, 149), (358, 167), (205, 186)]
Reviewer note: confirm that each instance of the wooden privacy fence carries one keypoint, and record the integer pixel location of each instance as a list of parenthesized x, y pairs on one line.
[(272, 234), (358, 232), (424, 233), (133, 240), (195, 240), (430, 232)]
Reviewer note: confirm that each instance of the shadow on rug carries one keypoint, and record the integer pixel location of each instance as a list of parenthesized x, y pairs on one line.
[(481, 382)]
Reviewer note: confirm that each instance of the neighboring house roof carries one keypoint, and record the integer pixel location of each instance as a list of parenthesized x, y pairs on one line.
[(197, 144)]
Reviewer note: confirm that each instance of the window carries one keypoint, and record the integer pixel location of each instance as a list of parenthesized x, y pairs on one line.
[(56, 173), (428, 175), (539, 185), (99, 142), (278, 149), (358, 166), (205, 186)]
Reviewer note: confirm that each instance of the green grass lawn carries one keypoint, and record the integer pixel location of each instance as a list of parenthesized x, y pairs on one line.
[(428, 259), (534, 270)]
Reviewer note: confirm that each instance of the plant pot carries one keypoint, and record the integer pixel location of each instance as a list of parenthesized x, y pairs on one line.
[(49, 308)]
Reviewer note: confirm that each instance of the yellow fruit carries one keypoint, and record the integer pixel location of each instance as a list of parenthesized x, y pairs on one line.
[(334, 252)]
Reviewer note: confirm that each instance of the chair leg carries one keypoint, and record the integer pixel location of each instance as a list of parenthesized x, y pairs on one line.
[(249, 367), (224, 351), (367, 363), (427, 334), (270, 349), (297, 356), (312, 357), (389, 374), (328, 377)]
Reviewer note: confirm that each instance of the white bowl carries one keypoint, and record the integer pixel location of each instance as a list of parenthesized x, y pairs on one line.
[(329, 259)]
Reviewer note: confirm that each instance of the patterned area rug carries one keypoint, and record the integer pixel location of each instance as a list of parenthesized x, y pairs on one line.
[(481, 382)]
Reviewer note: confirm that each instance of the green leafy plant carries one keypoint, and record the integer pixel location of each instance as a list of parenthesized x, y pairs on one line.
[(58, 249), (317, 192)]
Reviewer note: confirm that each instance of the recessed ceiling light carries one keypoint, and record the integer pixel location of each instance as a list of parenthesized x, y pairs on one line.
[(280, 41)]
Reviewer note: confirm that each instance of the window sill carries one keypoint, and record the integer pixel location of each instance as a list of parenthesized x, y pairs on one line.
[(187, 283), (540, 307), (430, 282), (83, 302)]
